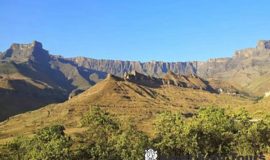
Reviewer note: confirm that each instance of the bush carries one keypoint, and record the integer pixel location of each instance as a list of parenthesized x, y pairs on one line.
[(49, 143), (130, 144), (99, 118), (253, 137), (105, 140), (211, 132), (170, 134)]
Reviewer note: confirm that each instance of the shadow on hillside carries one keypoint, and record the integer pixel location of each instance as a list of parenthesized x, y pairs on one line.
[(25, 97)]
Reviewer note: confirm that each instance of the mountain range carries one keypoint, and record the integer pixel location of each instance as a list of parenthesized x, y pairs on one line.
[(247, 69), (31, 77)]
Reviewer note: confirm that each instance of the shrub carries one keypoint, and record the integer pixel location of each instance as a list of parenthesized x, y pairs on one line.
[(49, 143), (105, 140), (211, 132)]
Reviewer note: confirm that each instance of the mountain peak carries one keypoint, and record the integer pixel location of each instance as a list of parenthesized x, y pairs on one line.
[(34, 44), (37, 44), (263, 44), (112, 77), (25, 52)]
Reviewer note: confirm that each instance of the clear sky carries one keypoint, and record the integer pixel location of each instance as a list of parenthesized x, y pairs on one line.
[(167, 30)]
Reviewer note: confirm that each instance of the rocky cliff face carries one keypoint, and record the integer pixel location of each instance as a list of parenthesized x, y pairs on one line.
[(244, 68), (153, 68), (26, 52), (248, 69), (171, 79), (35, 62), (263, 44), (250, 57), (30, 78)]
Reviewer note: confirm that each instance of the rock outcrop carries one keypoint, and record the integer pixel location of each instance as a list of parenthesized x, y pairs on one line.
[(142, 79), (263, 44), (26, 52), (185, 81)]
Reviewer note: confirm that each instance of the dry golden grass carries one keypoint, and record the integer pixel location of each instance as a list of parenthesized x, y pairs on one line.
[(126, 100)]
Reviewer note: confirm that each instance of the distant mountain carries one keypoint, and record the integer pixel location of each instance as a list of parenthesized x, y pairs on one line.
[(54, 70), (248, 69), (30, 78)]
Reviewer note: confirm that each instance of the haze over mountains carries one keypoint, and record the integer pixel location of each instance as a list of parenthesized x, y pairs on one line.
[(27, 71)]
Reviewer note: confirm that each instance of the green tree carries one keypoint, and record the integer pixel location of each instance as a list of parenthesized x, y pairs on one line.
[(99, 118), (213, 132), (170, 136), (49, 143), (207, 133), (253, 136), (130, 144), (17, 149), (105, 139), (98, 139)]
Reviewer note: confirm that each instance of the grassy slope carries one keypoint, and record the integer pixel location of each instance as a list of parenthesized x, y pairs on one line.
[(126, 100), (260, 85), (20, 93)]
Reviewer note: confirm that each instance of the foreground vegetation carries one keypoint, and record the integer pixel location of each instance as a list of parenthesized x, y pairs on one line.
[(212, 131)]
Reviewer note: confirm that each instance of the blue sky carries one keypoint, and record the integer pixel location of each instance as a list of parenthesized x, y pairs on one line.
[(171, 30)]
